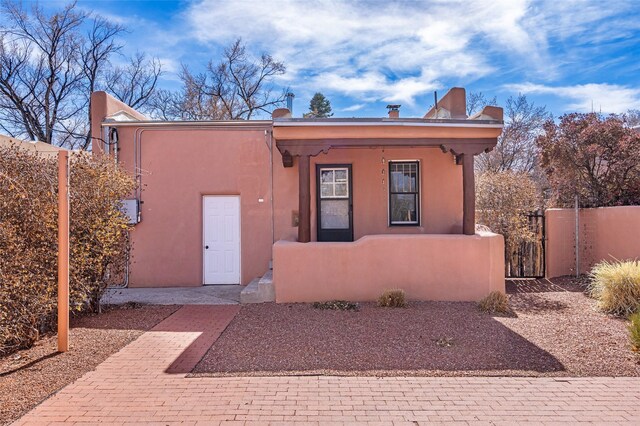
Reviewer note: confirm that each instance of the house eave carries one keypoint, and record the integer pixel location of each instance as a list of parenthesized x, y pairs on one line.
[(409, 122)]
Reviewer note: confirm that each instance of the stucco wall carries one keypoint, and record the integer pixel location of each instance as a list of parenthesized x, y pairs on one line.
[(606, 233), (440, 191), (178, 167), (181, 164), (426, 267)]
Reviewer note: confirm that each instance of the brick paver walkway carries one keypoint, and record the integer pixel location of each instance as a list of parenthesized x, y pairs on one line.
[(145, 382)]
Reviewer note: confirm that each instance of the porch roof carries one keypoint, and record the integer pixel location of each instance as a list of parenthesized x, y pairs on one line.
[(299, 137)]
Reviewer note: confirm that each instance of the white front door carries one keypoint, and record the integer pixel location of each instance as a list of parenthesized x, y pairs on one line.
[(221, 222)]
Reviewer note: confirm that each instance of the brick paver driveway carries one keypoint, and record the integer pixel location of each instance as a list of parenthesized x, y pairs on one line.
[(145, 382)]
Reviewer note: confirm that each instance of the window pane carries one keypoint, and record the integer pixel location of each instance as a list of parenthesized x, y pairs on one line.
[(396, 181), (341, 175), (326, 190), (341, 190), (403, 208), (326, 176), (334, 214)]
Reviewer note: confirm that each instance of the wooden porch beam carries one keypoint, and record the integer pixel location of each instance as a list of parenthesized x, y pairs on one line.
[(314, 147), (304, 199)]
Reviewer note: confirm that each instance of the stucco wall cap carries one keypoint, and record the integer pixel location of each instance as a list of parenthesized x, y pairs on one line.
[(281, 113)]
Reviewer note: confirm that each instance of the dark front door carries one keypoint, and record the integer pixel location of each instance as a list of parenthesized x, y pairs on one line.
[(334, 202)]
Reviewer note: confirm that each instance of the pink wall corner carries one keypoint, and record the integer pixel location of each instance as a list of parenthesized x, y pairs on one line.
[(103, 105), (618, 233), (606, 233), (426, 267), (179, 166)]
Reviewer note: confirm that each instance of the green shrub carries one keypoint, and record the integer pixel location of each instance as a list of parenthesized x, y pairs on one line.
[(392, 299), (29, 239), (337, 305), (616, 286), (495, 302), (634, 331)]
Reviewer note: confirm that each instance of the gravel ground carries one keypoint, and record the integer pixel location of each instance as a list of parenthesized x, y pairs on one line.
[(554, 331), (28, 377)]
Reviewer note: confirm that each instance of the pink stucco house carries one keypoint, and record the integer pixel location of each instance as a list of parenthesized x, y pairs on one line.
[(339, 208)]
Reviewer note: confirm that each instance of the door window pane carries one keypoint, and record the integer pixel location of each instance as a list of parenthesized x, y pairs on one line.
[(334, 214), (341, 190), (326, 190), (326, 176), (334, 183)]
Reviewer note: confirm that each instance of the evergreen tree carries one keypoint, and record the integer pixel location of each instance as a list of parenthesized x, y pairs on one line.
[(319, 107)]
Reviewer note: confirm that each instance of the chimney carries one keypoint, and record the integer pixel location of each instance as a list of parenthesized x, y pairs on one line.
[(290, 97), (394, 111)]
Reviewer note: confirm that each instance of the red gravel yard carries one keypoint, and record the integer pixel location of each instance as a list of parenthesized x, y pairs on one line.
[(554, 330)]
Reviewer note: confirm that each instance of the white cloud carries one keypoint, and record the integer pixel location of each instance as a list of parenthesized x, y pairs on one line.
[(387, 51), (351, 108), (608, 98)]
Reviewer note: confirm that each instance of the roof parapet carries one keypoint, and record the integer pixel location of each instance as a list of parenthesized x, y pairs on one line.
[(281, 113), (489, 113), (452, 105)]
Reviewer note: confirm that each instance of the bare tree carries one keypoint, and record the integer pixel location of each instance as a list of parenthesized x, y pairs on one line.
[(236, 88), (41, 70), (516, 149), (95, 53), (135, 82), (633, 117), (49, 67), (477, 100)]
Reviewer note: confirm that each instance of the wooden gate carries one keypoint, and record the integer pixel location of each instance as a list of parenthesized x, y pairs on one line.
[(528, 261)]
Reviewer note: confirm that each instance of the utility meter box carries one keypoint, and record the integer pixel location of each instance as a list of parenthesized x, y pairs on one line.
[(131, 209)]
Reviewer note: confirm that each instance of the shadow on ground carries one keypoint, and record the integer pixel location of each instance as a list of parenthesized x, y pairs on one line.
[(435, 336)]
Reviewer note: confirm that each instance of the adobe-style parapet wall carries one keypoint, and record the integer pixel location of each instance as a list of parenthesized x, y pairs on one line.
[(426, 267), (103, 105), (606, 233)]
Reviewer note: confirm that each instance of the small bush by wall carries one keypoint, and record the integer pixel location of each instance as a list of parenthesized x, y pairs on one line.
[(392, 299), (616, 286), (634, 331), (28, 238), (496, 302)]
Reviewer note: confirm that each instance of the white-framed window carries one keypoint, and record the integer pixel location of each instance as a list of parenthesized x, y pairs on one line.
[(404, 193), (334, 182)]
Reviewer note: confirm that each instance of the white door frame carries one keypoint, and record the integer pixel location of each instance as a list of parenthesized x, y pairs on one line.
[(202, 245)]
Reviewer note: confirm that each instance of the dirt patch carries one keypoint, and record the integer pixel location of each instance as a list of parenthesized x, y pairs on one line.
[(554, 332), (28, 377)]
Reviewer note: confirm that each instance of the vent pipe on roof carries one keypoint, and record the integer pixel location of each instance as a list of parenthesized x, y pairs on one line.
[(289, 96)]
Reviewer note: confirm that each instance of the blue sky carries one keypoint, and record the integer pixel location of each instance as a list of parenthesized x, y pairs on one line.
[(565, 54)]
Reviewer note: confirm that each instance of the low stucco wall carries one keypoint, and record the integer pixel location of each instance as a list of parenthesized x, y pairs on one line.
[(426, 267), (606, 233)]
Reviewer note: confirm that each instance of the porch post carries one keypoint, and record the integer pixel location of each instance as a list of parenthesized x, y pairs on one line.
[(304, 199), (63, 251), (469, 196)]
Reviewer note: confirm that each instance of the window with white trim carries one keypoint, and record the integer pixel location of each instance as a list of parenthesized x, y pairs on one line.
[(404, 193)]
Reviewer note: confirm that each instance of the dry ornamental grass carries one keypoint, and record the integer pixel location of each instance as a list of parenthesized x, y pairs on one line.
[(616, 286), (392, 299)]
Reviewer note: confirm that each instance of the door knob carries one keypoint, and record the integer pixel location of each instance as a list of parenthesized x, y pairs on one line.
[(206, 247)]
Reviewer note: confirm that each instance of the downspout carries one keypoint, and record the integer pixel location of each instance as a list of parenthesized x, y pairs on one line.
[(269, 143), (577, 208)]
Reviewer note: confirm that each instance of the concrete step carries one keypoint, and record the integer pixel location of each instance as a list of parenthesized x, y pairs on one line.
[(259, 290)]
